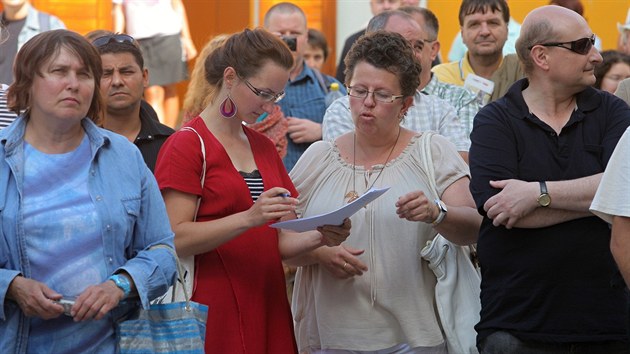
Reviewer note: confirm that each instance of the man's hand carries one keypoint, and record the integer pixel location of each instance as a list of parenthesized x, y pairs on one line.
[(34, 298), (516, 200), (303, 130)]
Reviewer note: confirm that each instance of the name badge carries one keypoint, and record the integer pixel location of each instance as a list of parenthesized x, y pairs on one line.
[(482, 88)]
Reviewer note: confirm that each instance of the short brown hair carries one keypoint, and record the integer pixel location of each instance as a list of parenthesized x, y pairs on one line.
[(388, 51), (42, 48), (247, 52)]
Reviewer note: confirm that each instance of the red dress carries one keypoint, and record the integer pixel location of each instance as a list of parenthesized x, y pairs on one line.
[(242, 281)]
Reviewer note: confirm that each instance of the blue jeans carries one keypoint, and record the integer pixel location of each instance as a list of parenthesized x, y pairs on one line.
[(505, 343)]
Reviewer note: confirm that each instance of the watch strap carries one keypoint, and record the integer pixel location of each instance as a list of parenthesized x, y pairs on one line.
[(123, 283), (543, 187), (442, 214)]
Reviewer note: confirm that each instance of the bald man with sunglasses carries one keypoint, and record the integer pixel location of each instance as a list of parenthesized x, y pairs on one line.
[(549, 281)]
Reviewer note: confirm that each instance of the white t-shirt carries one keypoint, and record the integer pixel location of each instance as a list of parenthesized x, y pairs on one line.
[(612, 198), (150, 18)]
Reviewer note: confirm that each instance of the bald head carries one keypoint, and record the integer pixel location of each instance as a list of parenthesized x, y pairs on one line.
[(547, 24)]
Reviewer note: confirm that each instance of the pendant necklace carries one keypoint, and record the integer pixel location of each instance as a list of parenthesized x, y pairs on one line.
[(353, 195)]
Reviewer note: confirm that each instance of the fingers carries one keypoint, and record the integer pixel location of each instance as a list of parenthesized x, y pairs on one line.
[(416, 206), (334, 235), (96, 301)]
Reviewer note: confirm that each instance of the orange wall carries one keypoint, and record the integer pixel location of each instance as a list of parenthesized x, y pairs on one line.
[(602, 16)]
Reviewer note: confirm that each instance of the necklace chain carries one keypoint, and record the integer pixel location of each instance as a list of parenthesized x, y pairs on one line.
[(353, 195)]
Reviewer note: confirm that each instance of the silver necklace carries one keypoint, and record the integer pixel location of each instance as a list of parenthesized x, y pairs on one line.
[(353, 195)]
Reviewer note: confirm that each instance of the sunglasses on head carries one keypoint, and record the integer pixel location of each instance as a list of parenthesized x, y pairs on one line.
[(581, 46), (118, 38)]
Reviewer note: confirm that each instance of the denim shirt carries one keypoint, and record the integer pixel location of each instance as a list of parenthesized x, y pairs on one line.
[(131, 211), (32, 26)]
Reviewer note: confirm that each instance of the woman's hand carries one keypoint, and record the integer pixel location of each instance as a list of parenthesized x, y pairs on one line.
[(341, 261), (96, 301), (416, 206), (334, 235), (271, 205), (34, 298)]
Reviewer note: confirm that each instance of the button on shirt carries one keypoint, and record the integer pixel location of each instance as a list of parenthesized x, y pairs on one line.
[(427, 113)]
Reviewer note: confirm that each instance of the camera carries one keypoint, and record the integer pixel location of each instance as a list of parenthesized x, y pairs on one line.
[(291, 42)]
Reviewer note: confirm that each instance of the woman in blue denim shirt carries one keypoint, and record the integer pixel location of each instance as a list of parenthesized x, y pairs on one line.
[(79, 209)]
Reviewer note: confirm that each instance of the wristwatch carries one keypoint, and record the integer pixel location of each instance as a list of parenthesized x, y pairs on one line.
[(442, 208), (123, 283), (544, 199)]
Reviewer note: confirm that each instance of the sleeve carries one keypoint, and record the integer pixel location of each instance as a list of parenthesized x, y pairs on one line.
[(612, 195), (453, 127), (306, 172), (617, 121), (623, 90), (179, 163), (152, 270), (447, 163), (337, 120), (493, 154)]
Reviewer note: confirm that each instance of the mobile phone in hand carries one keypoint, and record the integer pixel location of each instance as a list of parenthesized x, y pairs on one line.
[(67, 305)]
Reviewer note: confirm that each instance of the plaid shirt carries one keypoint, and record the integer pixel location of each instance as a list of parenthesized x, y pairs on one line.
[(427, 113), (464, 101)]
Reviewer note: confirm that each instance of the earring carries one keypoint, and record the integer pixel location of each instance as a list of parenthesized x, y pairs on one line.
[(228, 107)]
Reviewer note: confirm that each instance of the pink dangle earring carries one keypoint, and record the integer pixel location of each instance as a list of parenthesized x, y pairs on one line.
[(228, 108)]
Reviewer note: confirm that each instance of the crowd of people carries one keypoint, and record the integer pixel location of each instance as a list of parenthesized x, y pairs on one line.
[(528, 162)]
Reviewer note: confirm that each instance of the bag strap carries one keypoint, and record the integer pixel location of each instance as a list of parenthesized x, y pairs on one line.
[(44, 21), (203, 166), (322, 80), (427, 160), (180, 270)]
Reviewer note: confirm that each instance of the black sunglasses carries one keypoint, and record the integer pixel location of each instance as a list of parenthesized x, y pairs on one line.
[(118, 38), (581, 46)]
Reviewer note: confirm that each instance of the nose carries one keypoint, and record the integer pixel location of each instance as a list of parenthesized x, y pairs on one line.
[(72, 80), (268, 107), (484, 29), (116, 78), (369, 100), (595, 57)]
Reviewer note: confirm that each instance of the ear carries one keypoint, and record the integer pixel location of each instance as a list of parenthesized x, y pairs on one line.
[(540, 57), (407, 102), (145, 77), (435, 50), (229, 76)]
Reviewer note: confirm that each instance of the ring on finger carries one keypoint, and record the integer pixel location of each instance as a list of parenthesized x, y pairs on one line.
[(344, 265)]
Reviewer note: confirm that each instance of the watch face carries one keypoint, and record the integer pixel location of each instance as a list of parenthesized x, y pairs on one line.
[(544, 200)]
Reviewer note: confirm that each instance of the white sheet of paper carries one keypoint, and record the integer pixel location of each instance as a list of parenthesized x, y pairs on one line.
[(335, 217)]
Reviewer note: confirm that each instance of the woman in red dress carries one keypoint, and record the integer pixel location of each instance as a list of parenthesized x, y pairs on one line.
[(238, 269)]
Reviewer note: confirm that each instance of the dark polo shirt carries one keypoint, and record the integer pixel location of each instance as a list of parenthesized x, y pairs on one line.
[(558, 283)]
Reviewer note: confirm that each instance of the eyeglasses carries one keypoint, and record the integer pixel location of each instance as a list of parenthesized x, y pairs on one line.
[(118, 38), (581, 46), (380, 96), (266, 96)]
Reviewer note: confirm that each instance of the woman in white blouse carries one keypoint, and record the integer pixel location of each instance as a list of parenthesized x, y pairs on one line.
[(373, 293)]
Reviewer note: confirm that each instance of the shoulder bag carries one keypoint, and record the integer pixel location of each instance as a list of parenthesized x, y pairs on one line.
[(458, 277), (177, 327)]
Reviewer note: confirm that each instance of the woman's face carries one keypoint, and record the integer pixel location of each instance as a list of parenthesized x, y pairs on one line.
[(370, 116), (271, 79), (614, 76), (64, 90)]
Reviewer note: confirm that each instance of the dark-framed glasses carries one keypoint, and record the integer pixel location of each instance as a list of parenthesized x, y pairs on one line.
[(581, 46), (264, 95), (378, 95), (118, 38)]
